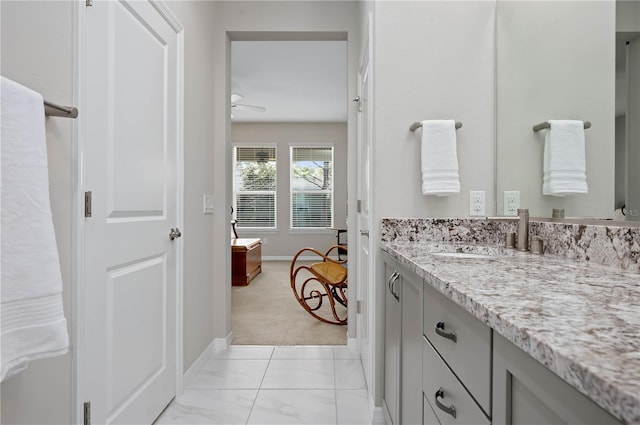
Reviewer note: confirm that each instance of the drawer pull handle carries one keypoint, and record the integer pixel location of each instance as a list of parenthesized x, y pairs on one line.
[(450, 410), (449, 335)]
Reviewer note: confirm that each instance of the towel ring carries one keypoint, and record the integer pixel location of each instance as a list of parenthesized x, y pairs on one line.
[(544, 125), (416, 125)]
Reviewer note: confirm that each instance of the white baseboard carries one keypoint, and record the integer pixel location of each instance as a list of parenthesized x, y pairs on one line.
[(352, 344), (197, 366), (378, 416), (217, 345)]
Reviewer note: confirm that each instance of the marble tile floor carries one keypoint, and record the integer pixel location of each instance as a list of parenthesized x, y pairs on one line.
[(275, 385)]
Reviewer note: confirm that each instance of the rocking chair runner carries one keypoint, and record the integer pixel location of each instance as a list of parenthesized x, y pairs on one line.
[(328, 278)]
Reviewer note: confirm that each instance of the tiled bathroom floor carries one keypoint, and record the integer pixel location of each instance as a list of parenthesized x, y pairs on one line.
[(275, 385)]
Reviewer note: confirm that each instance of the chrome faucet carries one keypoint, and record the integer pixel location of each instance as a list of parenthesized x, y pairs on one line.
[(522, 234), (523, 229)]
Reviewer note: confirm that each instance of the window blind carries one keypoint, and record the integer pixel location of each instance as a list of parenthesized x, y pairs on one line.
[(255, 187), (311, 187)]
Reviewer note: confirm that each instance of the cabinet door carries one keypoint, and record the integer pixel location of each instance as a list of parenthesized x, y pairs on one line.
[(411, 350), (391, 394), (526, 392)]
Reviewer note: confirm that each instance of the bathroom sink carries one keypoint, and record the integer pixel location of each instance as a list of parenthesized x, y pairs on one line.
[(471, 255), (474, 252)]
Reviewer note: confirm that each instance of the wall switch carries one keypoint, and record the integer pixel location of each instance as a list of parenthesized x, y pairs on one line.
[(477, 203), (511, 202), (207, 204)]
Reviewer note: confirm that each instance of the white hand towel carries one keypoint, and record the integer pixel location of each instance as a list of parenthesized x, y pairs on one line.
[(564, 159), (439, 158), (32, 322)]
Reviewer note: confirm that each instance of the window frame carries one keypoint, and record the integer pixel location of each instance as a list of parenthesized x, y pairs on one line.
[(322, 229), (235, 192)]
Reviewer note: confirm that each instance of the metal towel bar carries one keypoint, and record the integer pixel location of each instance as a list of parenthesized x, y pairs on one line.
[(53, 110), (416, 125), (545, 124)]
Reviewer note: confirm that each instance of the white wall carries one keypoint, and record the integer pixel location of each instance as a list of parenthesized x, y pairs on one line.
[(285, 243), (431, 60), (200, 270), (34, 57), (556, 60), (258, 20)]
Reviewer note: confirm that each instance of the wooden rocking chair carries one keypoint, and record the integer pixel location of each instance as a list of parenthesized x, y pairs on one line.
[(325, 279)]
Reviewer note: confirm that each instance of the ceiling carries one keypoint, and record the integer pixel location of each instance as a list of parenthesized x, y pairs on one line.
[(296, 81)]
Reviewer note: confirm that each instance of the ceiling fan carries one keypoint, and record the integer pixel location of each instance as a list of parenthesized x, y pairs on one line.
[(235, 98)]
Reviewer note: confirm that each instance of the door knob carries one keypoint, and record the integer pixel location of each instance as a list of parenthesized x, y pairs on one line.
[(174, 233)]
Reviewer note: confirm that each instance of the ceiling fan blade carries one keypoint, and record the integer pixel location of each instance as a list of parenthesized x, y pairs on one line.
[(235, 97), (249, 107)]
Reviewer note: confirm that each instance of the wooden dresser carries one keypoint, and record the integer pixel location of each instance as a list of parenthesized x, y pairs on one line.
[(246, 260)]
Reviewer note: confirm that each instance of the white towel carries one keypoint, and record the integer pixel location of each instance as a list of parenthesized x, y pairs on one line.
[(32, 320), (439, 158), (564, 159)]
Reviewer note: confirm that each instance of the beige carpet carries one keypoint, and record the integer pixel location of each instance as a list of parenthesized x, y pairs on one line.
[(266, 313)]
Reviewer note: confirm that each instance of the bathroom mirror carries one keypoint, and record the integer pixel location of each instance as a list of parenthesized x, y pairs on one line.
[(557, 60)]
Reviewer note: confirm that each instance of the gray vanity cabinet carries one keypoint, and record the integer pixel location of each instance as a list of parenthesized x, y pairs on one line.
[(392, 327), (402, 391), (526, 392)]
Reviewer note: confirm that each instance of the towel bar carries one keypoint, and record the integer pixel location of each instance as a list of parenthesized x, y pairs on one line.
[(545, 124), (53, 110), (416, 125)]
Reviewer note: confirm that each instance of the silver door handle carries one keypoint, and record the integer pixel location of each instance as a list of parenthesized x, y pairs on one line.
[(364, 232), (174, 233)]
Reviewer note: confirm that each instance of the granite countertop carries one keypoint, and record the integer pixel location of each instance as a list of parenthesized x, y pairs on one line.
[(580, 320)]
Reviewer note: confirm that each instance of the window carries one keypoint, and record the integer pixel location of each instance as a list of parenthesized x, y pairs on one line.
[(254, 187), (311, 187)]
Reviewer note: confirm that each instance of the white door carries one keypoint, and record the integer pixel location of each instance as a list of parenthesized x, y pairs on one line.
[(131, 143), (363, 246)]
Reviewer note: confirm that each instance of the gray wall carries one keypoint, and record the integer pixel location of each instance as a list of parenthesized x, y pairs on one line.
[(285, 243), (31, 56)]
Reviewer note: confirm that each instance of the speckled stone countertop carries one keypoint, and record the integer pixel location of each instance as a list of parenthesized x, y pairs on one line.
[(580, 320)]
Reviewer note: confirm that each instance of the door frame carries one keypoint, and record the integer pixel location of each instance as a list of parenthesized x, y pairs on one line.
[(78, 317)]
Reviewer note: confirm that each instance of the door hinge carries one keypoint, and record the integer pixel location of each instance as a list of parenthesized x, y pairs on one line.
[(359, 206), (87, 413), (87, 204), (358, 305), (89, 3)]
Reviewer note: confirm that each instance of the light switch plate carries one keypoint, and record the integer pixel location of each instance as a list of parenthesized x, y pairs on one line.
[(207, 204), (511, 202), (477, 203)]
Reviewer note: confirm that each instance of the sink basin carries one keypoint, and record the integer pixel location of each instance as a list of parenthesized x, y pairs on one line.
[(474, 252), (466, 255)]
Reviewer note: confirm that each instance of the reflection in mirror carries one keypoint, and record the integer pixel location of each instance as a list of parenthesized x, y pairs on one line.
[(555, 60), (627, 177)]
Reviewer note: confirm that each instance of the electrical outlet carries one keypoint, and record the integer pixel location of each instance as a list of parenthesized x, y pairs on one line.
[(207, 204), (511, 202), (477, 203), (265, 241)]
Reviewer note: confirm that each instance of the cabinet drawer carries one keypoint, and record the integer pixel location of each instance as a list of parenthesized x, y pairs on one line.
[(445, 394), (463, 341)]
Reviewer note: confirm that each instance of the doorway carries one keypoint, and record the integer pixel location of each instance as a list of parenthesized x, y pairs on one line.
[(289, 105)]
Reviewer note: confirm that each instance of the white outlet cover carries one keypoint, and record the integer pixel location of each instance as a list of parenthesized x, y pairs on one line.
[(207, 204), (511, 202), (477, 203)]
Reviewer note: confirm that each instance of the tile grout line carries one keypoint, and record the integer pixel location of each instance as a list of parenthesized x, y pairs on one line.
[(273, 349), (335, 386)]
